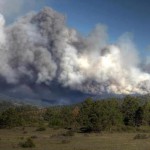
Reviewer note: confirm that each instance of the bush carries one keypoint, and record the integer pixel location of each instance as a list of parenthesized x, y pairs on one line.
[(86, 134), (55, 122), (34, 137), (69, 133), (124, 128), (27, 144), (141, 136), (65, 141), (21, 138), (25, 132), (10, 118), (41, 129)]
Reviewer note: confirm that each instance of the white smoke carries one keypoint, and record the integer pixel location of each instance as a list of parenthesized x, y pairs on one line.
[(42, 49), (7, 7)]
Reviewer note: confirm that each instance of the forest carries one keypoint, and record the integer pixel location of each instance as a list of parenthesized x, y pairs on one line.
[(112, 114)]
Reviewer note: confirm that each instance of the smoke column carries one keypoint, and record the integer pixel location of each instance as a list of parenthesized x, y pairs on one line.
[(40, 49)]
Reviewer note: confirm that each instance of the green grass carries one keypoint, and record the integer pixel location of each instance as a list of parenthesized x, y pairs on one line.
[(51, 139)]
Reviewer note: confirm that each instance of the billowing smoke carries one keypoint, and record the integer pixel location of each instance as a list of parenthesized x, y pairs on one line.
[(39, 49)]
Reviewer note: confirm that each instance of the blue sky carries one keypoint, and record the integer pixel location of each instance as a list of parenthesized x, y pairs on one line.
[(120, 16)]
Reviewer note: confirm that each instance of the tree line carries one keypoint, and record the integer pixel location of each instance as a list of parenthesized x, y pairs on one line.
[(90, 115)]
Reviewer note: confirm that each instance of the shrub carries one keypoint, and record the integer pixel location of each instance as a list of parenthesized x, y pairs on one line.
[(25, 132), (55, 122), (141, 136), (86, 134), (56, 127), (27, 144), (21, 138), (41, 129), (10, 118), (69, 133), (65, 141), (124, 128), (34, 137)]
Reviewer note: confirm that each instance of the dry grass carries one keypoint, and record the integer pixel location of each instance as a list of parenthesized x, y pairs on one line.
[(54, 140)]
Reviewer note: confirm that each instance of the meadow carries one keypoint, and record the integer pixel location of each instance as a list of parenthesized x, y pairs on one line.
[(109, 124), (55, 139)]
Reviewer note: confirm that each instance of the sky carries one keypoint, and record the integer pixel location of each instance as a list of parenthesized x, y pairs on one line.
[(114, 17)]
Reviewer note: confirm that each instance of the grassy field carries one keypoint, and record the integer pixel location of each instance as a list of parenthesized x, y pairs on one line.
[(51, 139)]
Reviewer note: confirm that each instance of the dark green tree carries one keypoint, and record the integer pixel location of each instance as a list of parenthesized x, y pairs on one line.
[(146, 113), (53, 116), (67, 117), (130, 108), (100, 115), (108, 114), (86, 117), (10, 118), (139, 116)]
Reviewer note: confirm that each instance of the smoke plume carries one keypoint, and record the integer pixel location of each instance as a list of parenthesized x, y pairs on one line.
[(39, 49)]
